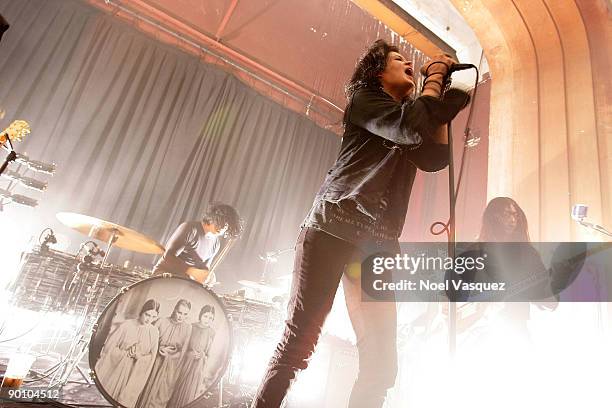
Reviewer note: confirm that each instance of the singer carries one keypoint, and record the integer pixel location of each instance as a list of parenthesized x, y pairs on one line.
[(360, 211)]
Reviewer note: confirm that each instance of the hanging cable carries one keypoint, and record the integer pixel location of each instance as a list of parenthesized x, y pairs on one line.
[(445, 226)]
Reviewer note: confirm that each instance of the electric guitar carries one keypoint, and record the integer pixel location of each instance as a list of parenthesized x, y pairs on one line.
[(16, 131)]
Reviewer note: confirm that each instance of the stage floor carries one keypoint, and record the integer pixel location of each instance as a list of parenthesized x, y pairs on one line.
[(76, 393)]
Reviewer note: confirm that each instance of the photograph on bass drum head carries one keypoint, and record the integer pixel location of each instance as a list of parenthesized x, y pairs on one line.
[(164, 342)]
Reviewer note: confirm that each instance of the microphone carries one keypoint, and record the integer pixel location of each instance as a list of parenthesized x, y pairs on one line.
[(18, 198), (35, 165), (579, 212), (460, 67), (25, 181)]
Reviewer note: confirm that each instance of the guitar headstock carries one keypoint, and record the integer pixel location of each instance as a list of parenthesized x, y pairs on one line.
[(16, 131)]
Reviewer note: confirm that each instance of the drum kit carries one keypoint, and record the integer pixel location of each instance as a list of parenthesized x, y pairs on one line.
[(115, 303)]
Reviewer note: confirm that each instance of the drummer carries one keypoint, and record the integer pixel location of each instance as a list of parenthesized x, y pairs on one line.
[(194, 244)]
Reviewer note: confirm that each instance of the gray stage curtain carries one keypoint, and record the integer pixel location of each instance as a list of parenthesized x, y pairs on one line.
[(145, 136)]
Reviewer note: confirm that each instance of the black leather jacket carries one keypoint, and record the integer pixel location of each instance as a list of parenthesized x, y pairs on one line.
[(364, 198)]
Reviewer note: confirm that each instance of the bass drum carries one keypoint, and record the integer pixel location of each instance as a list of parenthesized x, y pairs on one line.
[(162, 342)]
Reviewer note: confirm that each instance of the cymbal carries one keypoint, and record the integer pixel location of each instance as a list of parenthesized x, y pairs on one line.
[(125, 238), (259, 286)]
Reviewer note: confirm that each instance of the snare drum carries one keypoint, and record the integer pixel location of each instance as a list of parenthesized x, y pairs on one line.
[(164, 341)]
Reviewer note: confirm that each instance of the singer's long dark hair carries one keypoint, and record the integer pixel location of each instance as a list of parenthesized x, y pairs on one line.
[(369, 67), (492, 229)]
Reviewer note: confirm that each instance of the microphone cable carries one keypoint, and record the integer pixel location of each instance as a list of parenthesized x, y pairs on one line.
[(439, 227)]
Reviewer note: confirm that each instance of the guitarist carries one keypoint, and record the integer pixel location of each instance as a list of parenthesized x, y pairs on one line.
[(194, 244), (503, 220)]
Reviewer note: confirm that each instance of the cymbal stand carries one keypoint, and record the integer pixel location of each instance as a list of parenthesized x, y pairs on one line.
[(109, 245), (80, 344), (270, 258)]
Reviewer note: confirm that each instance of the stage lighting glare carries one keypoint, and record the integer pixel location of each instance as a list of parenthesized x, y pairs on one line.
[(563, 351), (311, 384), (10, 249), (562, 363), (338, 322), (37, 331), (21, 327), (254, 361)]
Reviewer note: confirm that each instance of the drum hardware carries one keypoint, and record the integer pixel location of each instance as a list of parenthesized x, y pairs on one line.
[(93, 282), (79, 346), (269, 258), (64, 368), (48, 240), (113, 234), (260, 287), (54, 281), (262, 290), (93, 296), (86, 267), (59, 373)]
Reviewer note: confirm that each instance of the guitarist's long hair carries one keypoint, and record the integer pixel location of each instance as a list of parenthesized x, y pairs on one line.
[(493, 219)]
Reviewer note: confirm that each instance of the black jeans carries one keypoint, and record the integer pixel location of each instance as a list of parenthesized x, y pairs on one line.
[(320, 262)]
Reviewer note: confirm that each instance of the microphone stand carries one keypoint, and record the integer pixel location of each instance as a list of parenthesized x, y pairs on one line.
[(10, 157), (452, 196), (594, 227), (452, 306)]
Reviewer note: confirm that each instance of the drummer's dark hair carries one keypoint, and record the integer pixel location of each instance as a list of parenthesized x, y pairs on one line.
[(150, 304), (223, 214), (206, 309)]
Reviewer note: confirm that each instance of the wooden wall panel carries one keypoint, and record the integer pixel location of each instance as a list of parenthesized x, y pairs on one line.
[(552, 142), (597, 20), (585, 186), (546, 147)]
